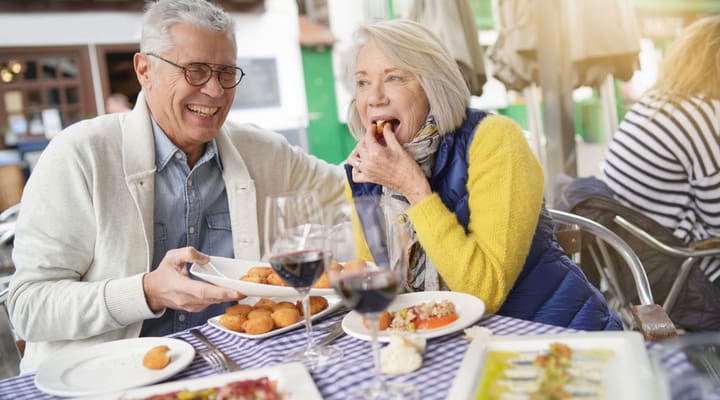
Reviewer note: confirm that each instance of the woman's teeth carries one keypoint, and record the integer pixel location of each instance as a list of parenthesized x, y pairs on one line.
[(204, 111)]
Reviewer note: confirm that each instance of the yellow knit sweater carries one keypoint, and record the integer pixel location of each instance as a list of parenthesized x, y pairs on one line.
[(505, 187)]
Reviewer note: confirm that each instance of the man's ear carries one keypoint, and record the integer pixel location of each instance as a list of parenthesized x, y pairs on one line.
[(142, 70)]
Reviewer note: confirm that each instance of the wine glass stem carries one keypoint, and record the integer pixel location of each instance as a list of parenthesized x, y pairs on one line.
[(308, 321), (372, 320)]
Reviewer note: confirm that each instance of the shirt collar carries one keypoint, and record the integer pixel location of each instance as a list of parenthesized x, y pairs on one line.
[(165, 149)]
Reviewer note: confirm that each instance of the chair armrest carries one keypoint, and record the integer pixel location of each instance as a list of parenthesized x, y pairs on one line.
[(711, 243), (653, 322)]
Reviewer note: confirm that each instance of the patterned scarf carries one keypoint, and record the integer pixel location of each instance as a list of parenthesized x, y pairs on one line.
[(421, 273)]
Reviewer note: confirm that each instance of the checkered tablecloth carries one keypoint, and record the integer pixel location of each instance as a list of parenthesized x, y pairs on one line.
[(441, 359)]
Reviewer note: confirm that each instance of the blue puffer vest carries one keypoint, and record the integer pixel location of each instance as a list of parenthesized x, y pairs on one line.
[(550, 289)]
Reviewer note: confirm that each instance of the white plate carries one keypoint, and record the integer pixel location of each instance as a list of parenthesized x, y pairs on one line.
[(469, 309), (333, 303), (109, 367), (228, 274), (292, 379), (627, 374)]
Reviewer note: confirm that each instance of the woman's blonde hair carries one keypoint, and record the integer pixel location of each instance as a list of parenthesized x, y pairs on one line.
[(691, 66), (414, 48)]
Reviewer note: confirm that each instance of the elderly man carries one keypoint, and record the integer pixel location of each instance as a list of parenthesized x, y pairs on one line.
[(118, 206)]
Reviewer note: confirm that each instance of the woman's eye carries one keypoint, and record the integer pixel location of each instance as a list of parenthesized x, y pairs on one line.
[(361, 83), (395, 78)]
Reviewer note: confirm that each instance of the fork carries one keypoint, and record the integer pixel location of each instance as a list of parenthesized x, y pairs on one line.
[(227, 363), (216, 361)]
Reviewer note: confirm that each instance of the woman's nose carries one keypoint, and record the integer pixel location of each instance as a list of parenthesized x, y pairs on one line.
[(377, 95)]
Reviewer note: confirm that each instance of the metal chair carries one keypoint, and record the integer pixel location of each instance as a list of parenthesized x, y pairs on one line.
[(687, 295), (578, 234), (689, 256)]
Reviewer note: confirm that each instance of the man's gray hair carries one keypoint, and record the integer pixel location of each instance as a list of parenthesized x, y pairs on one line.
[(414, 48), (162, 15)]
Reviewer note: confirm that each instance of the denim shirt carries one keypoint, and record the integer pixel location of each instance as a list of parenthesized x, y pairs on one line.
[(191, 209)]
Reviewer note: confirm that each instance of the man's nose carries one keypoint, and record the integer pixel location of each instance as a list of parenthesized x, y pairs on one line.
[(212, 86)]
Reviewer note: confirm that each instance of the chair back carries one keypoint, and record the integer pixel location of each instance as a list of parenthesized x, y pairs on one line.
[(688, 297), (611, 259)]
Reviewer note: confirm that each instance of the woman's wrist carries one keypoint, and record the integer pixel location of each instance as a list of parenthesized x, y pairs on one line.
[(418, 192)]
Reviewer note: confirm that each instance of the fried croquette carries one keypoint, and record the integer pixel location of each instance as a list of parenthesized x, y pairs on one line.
[(265, 303), (275, 279), (239, 309), (323, 282), (258, 325), (284, 304), (157, 357), (354, 265), (285, 316), (317, 304), (262, 272), (335, 266), (252, 279), (257, 312), (384, 321), (234, 322)]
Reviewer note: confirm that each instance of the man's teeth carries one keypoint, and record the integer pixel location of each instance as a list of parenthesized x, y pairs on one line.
[(206, 111)]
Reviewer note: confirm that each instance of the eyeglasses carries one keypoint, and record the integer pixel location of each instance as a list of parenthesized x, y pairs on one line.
[(198, 74)]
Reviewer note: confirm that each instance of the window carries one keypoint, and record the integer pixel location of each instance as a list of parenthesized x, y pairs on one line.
[(260, 87), (43, 89)]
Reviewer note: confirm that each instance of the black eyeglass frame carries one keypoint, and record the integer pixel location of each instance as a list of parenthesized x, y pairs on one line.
[(185, 69)]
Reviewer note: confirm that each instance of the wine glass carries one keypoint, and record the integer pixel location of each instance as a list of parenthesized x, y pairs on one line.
[(688, 367), (286, 210), (298, 249), (369, 290)]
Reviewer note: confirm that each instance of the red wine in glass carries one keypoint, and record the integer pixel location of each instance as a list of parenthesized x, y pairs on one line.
[(368, 291), (300, 269)]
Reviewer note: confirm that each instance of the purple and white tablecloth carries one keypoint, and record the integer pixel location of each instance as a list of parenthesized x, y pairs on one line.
[(441, 359)]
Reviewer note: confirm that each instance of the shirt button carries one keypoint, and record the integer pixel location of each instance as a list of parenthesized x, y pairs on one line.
[(191, 230), (189, 182), (178, 155), (181, 317)]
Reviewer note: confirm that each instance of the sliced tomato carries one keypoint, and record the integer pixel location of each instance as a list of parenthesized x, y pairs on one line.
[(435, 322)]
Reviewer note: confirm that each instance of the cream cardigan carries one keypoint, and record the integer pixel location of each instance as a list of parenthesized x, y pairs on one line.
[(85, 231)]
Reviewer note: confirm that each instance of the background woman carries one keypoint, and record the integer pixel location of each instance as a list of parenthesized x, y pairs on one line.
[(664, 160)]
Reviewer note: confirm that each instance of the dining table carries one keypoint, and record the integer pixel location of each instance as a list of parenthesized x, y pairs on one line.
[(441, 359)]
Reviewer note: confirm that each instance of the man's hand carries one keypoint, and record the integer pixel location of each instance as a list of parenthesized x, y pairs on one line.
[(170, 286)]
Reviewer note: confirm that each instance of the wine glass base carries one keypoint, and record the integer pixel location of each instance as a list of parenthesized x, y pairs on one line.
[(317, 357), (385, 391)]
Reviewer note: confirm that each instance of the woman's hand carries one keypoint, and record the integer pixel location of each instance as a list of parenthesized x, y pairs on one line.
[(388, 164)]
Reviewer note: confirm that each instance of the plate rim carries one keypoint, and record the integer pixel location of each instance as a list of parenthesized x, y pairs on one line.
[(460, 324), (334, 302), (294, 376), (464, 385), (249, 289), (187, 355)]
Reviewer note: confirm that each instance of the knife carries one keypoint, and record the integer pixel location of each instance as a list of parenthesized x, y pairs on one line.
[(199, 335)]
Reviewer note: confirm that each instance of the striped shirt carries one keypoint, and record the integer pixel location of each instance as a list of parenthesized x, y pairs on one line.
[(664, 161)]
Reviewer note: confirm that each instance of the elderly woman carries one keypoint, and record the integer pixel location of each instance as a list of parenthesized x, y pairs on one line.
[(472, 187)]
